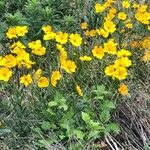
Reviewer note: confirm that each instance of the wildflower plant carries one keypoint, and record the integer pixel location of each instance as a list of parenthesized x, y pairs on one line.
[(48, 59)]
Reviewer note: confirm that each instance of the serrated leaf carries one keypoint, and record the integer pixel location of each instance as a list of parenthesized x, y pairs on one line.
[(93, 134), (107, 105), (113, 127), (105, 116), (65, 125), (86, 117), (94, 125), (79, 134), (100, 91)]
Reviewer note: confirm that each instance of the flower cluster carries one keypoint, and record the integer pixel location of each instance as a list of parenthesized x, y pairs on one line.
[(146, 45), (142, 15), (118, 70), (18, 31), (37, 48), (104, 45)]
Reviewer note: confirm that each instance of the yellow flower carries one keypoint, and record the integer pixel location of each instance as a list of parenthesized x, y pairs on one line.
[(84, 25), (110, 70), (68, 65), (21, 30), (26, 80), (87, 32), (37, 48), (23, 59), (107, 4), (99, 8), (135, 5), (14, 32), (49, 36), (146, 56), (146, 43), (135, 44), (22, 55), (129, 25), (5, 74), (75, 39), (78, 88), (102, 32), (122, 15), (112, 10), (142, 8), (123, 61), (34, 44), (98, 52), (111, 1), (61, 37), (2, 61), (124, 53), (47, 28), (63, 52), (148, 27), (11, 33), (9, 61), (38, 74), (92, 33), (120, 73), (109, 17), (110, 47), (85, 58), (27, 63), (40, 51), (55, 77), (142, 15), (43, 82), (125, 4), (123, 89), (16, 47), (109, 26)]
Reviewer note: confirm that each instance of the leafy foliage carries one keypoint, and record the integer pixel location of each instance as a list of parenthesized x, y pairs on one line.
[(86, 125)]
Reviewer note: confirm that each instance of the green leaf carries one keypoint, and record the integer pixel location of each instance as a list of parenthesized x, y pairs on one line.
[(38, 130), (50, 111), (79, 134), (94, 125), (93, 133), (45, 125), (62, 136), (113, 127), (85, 117), (105, 116), (65, 107), (58, 97), (52, 103), (65, 125), (100, 91), (107, 105)]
